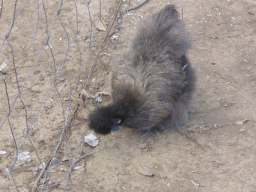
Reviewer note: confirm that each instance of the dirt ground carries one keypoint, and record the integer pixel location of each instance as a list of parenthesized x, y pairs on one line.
[(218, 152)]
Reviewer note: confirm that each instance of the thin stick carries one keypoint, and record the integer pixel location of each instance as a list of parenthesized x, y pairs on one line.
[(100, 48), (136, 6), (188, 137), (41, 174)]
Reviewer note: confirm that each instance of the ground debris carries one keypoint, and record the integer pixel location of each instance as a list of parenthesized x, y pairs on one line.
[(115, 37), (4, 64), (194, 183), (91, 140), (85, 94), (144, 170), (241, 122), (78, 167), (242, 130), (198, 128), (2, 152), (40, 167), (23, 158), (23, 190), (142, 146), (100, 26)]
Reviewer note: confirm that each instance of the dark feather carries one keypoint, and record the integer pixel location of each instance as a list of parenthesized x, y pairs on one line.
[(154, 81)]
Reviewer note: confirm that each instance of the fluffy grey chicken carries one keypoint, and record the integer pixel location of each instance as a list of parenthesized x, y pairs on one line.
[(154, 81)]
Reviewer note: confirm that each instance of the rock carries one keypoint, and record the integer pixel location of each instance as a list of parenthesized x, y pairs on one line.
[(91, 140), (145, 171), (63, 169), (115, 37), (54, 161), (2, 152)]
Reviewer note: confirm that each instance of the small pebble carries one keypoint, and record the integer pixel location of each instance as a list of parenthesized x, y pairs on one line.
[(54, 160), (91, 140)]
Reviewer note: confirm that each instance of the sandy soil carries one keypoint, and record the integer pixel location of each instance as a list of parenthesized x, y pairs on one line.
[(217, 154)]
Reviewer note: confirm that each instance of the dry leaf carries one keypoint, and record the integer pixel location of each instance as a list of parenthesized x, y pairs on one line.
[(100, 26), (4, 64), (145, 171), (238, 122)]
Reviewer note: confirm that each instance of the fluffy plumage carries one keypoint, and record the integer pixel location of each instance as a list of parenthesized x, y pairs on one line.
[(154, 81)]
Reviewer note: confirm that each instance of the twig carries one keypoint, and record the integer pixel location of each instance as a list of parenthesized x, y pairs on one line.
[(41, 174), (68, 173), (72, 166), (136, 6), (188, 137), (107, 34)]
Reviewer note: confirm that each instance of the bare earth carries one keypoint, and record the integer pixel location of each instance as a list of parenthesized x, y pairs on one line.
[(217, 154)]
